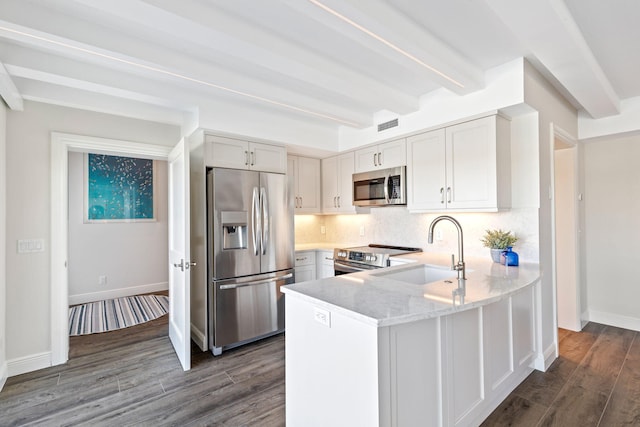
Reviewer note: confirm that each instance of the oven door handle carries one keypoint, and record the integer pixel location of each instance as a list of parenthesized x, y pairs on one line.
[(350, 268)]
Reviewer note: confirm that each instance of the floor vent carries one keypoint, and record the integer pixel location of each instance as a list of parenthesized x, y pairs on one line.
[(387, 125)]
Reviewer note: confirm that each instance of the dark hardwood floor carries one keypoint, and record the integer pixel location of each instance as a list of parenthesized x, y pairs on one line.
[(132, 377), (594, 382)]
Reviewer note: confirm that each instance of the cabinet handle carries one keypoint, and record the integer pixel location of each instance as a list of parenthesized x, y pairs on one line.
[(246, 158), (448, 194), (441, 194), (253, 158), (301, 259), (328, 258), (335, 204), (375, 159), (338, 201), (301, 204), (379, 159)]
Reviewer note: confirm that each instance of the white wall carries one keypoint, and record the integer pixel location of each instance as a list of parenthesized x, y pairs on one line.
[(552, 109), (133, 256), (567, 284), (611, 204), (28, 211), (3, 243)]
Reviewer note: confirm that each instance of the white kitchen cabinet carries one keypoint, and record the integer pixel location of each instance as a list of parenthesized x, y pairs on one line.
[(337, 188), (465, 167), (386, 155), (305, 266), (304, 174), (239, 154), (451, 370), (324, 264)]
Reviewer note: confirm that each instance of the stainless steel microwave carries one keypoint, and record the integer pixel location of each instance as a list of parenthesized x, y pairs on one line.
[(381, 187)]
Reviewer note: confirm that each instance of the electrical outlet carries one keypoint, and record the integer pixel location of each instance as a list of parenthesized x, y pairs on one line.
[(102, 280), (438, 234), (322, 316), (362, 230), (323, 229)]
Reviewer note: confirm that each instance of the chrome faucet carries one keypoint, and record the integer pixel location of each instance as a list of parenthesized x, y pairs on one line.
[(459, 267)]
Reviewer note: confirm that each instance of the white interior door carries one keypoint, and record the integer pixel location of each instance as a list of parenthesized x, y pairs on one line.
[(179, 254)]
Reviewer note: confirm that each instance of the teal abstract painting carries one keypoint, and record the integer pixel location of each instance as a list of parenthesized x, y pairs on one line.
[(119, 188)]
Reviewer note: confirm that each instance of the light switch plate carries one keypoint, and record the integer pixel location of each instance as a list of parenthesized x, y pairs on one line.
[(26, 246)]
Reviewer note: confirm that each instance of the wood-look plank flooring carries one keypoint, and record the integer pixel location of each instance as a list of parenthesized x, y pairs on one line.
[(594, 382), (132, 377)]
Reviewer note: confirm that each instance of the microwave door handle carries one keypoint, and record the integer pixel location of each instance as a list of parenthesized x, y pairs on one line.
[(386, 188), (264, 209)]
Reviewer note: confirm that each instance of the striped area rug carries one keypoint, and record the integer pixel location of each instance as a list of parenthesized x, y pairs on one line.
[(118, 313)]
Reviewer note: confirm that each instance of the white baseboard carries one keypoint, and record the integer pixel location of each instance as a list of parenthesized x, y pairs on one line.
[(4, 374), (611, 319), (28, 363), (198, 337), (117, 293), (545, 359)]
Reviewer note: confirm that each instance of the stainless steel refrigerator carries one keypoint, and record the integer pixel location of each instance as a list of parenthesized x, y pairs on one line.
[(251, 249)]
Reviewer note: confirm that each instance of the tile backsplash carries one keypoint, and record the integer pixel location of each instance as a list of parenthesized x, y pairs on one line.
[(396, 226)]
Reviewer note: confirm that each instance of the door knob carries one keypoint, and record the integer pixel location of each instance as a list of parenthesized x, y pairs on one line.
[(190, 264)]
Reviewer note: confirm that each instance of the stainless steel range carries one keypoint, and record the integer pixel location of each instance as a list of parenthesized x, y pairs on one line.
[(352, 260)]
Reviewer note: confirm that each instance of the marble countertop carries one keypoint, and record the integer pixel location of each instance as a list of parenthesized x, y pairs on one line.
[(375, 299)]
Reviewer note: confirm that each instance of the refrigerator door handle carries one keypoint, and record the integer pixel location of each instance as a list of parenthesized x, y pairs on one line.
[(256, 282), (264, 210), (255, 224)]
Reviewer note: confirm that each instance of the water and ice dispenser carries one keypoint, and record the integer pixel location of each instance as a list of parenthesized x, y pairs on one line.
[(234, 229)]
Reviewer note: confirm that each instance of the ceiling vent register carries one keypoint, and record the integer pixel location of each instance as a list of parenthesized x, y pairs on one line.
[(387, 125)]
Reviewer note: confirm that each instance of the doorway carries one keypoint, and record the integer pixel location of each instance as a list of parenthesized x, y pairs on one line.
[(60, 147), (566, 231)]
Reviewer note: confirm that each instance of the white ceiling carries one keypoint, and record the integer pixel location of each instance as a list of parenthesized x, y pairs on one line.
[(296, 61)]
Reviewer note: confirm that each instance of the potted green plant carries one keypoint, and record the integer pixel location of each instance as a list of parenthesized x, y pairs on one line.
[(498, 241)]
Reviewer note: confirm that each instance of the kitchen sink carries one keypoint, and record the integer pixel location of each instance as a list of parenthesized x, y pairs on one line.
[(418, 274)]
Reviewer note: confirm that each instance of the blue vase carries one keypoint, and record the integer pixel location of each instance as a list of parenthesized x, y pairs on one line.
[(509, 258)]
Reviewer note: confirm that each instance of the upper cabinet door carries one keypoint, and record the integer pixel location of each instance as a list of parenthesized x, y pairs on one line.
[(267, 157), (367, 159), (330, 185), (238, 154), (392, 154), (426, 175), (304, 176), (471, 165), (227, 153), (308, 185), (345, 182), (387, 155)]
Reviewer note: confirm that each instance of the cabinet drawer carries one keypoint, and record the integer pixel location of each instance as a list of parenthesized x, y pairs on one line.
[(305, 258)]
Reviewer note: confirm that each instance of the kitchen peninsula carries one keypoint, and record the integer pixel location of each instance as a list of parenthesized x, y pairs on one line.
[(393, 347)]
